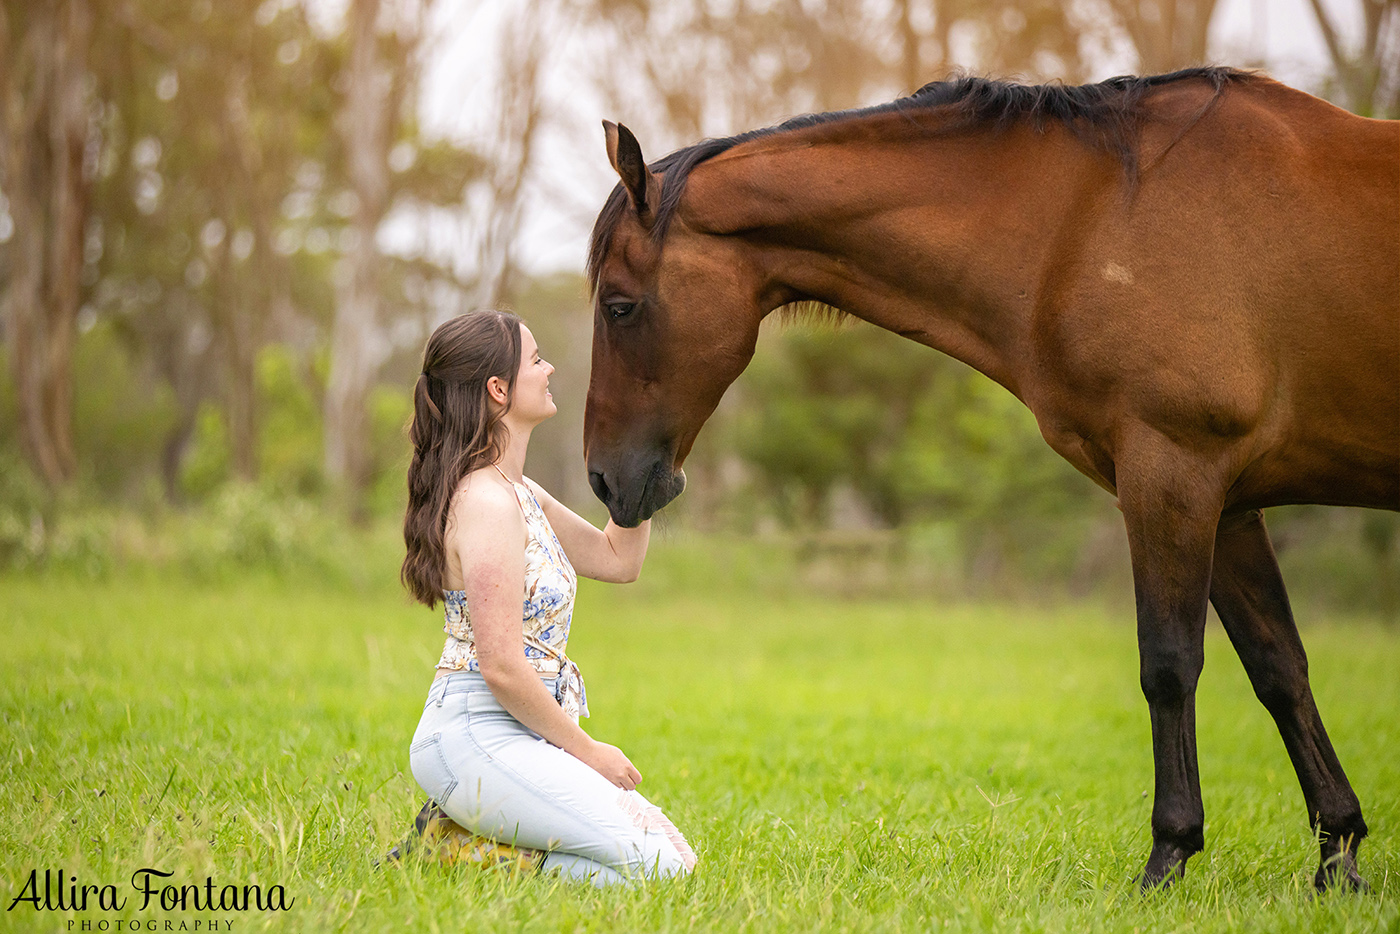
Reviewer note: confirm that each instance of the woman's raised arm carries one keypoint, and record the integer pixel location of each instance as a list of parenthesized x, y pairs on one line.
[(612, 554)]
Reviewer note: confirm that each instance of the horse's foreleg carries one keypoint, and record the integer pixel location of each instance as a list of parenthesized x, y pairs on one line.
[(1171, 508), (1249, 595)]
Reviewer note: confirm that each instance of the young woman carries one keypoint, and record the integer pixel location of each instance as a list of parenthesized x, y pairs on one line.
[(499, 747)]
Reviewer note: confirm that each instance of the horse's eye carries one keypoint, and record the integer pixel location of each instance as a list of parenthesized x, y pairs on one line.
[(619, 310)]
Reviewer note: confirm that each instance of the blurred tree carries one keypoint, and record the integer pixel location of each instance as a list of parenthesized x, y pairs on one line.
[(216, 129), (1167, 34), (1037, 40), (917, 435), (184, 174), (388, 166), (833, 405), (373, 99), (45, 172), (682, 70), (1367, 79), (520, 115)]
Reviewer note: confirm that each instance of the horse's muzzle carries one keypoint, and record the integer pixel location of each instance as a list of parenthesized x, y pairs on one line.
[(637, 488)]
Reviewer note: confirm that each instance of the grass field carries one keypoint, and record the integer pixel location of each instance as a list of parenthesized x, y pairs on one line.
[(860, 766)]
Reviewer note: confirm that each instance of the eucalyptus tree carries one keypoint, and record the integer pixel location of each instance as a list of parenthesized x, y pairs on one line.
[(214, 133), (385, 165), (1165, 34), (184, 171), (1366, 78), (46, 112)]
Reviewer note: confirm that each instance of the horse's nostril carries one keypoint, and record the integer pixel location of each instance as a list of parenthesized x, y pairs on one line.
[(600, 486)]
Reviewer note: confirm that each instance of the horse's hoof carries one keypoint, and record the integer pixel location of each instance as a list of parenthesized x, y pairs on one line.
[(1165, 866), (1339, 874)]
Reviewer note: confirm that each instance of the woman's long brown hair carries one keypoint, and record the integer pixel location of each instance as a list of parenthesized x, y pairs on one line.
[(455, 430)]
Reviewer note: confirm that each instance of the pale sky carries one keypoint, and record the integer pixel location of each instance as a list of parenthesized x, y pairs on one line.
[(572, 173)]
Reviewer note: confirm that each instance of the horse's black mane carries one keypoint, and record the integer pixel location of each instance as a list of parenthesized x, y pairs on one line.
[(1103, 115)]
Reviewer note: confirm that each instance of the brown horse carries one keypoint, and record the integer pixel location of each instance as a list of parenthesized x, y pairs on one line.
[(1192, 280)]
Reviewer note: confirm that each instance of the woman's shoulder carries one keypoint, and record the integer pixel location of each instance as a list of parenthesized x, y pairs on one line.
[(482, 493)]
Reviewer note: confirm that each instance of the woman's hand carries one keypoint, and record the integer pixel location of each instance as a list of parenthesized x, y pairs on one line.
[(610, 762)]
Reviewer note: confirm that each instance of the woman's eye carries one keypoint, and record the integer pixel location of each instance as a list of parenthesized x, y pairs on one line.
[(618, 310)]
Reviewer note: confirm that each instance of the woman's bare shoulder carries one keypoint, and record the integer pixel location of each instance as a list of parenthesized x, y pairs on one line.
[(482, 497)]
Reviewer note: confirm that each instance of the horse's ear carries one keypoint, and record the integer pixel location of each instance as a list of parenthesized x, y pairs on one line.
[(643, 185)]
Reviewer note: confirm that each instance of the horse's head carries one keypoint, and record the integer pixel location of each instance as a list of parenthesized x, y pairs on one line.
[(675, 320)]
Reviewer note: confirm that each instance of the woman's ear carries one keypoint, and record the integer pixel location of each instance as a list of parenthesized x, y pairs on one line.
[(496, 389)]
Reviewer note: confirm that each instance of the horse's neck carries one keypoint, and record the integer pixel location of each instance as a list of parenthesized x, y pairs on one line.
[(946, 241)]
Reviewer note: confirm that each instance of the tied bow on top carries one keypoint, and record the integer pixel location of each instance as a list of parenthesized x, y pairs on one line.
[(568, 685)]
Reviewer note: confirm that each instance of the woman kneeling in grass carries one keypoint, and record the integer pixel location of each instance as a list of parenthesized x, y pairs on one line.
[(499, 747)]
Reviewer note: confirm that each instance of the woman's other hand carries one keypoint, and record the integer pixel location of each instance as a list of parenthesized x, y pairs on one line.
[(611, 763)]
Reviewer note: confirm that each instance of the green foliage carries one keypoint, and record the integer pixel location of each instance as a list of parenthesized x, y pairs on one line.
[(919, 436), (390, 409), (290, 451), (1340, 557), (251, 529), (440, 172), (827, 405), (206, 466), (122, 414), (31, 538)]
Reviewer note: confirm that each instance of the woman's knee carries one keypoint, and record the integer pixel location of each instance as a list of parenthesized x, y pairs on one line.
[(659, 859)]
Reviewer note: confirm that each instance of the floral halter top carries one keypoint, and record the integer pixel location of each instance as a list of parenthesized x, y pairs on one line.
[(550, 585)]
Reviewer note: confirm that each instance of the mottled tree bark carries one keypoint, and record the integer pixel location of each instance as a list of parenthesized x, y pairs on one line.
[(245, 300), (1167, 34), (1370, 75), (356, 353), (520, 109), (43, 90), (911, 68)]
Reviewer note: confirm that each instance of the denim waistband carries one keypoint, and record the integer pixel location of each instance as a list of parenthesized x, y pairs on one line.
[(468, 682)]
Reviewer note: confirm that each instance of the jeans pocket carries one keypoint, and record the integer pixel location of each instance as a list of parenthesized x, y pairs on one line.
[(430, 768), (490, 725)]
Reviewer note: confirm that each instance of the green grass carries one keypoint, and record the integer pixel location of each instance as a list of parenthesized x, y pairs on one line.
[(857, 766)]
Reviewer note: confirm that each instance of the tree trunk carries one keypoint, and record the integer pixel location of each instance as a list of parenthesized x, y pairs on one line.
[(242, 404), (520, 109), (45, 100), (356, 354), (245, 298), (1167, 34), (911, 68), (1375, 66)]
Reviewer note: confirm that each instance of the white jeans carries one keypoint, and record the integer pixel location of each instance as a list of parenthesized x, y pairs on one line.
[(495, 776)]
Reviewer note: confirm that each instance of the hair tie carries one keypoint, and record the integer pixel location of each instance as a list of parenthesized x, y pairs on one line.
[(432, 406)]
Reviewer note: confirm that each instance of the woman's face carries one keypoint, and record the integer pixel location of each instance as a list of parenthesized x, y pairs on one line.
[(532, 402)]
